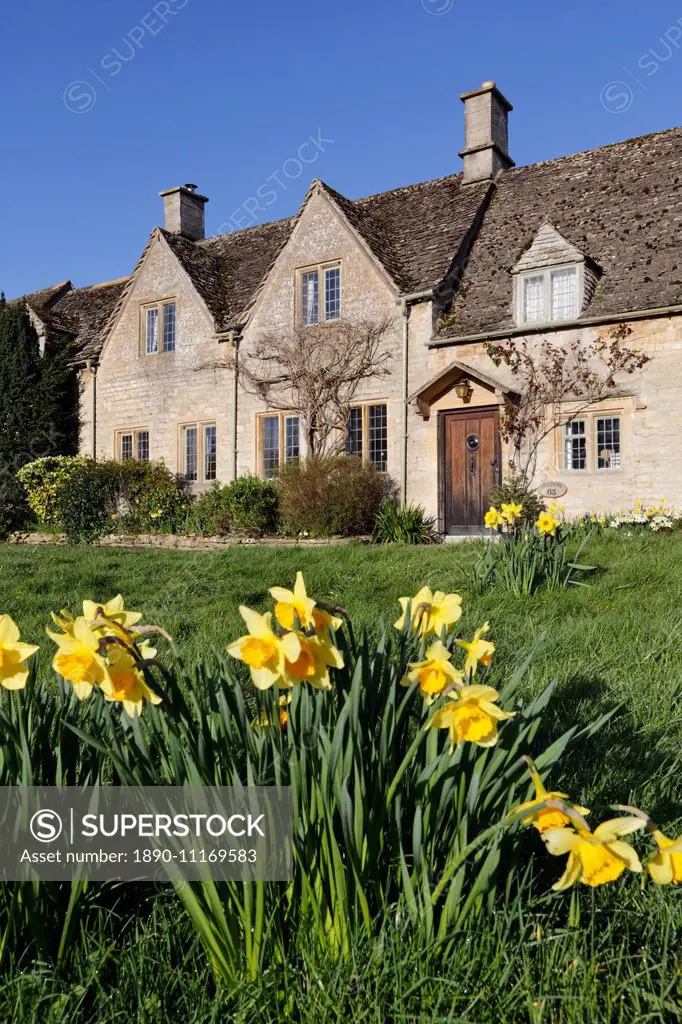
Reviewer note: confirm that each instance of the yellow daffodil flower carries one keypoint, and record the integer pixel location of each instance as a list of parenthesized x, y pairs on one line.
[(492, 518), (546, 524), (125, 683), (263, 651), (435, 674), (64, 620), (479, 651), (594, 857), (547, 817), (666, 866), (430, 613), (471, 716), (511, 512), (113, 611), (13, 655), (324, 621), (316, 656), (78, 659), (262, 721), (291, 606)]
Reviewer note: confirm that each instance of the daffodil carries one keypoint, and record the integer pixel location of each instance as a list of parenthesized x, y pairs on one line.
[(13, 655), (545, 818), (471, 716), (594, 857), (125, 683), (666, 866), (546, 524), (511, 512), (293, 608), (79, 659), (435, 674), (113, 611), (264, 651), (479, 651), (430, 613), (316, 656), (262, 720), (492, 518)]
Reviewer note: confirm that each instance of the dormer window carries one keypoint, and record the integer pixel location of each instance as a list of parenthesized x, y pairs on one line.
[(549, 295), (319, 294)]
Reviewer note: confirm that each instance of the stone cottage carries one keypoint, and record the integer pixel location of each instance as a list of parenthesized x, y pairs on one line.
[(557, 251)]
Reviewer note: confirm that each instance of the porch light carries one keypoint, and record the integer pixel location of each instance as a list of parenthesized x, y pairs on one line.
[(464, 390)]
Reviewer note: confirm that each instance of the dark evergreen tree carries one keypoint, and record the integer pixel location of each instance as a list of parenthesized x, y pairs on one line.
[(37, 405)]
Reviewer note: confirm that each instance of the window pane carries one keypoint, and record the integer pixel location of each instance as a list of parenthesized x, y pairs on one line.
[(143, 445), (332, 293), (534, 299), (310, 305), (153, 330), (608, 443), (126, 444), (576, 445), (210, 452), (191, 453), (292, 441), (378, 436), (565, 294), (169, 327), (355, 431), (270, 446)]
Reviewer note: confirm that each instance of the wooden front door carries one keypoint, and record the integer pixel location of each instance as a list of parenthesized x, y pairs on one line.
[(469, 467)]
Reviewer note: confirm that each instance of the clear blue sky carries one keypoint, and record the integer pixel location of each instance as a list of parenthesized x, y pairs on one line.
[(223, 92)]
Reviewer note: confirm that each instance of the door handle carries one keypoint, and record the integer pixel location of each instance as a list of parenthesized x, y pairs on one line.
[(472, 465)]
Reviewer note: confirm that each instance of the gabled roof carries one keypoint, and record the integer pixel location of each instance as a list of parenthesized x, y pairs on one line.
[(83, 313), (227, 270), (620, 205), (43, 300), (548, 248)]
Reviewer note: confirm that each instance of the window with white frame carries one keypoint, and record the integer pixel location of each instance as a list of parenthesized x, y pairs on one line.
[(160, 327), (199, 452), (132, 444), (607, 441), (549, 295), (593, 442), (319, 294), (575, 444), (367, 435), (279, 441)]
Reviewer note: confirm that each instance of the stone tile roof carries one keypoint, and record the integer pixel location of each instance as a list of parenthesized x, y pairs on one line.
[(43, 300), (227, 270), (83, 314), (621, 205)]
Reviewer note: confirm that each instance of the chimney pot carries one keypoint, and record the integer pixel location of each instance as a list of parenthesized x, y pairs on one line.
[(486, 138), (183, 209)]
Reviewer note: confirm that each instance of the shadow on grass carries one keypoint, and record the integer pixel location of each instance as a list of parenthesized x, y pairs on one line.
[(622, 764)]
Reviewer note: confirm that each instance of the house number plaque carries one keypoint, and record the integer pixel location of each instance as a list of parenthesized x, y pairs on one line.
[(554, 490)]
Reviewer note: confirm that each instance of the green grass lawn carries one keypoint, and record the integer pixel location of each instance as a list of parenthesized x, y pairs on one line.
[(616, 643)]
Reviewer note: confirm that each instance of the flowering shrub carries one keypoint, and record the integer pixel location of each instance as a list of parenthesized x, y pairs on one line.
[(43, 481)]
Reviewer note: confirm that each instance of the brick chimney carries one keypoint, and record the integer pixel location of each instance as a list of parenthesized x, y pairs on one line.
[(183, 212), (486, 140)]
